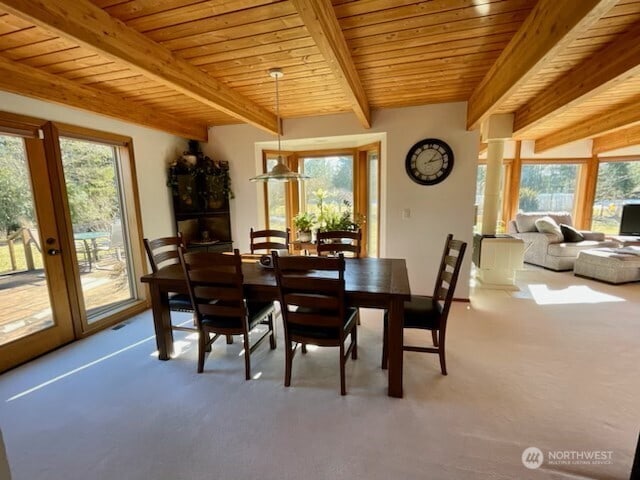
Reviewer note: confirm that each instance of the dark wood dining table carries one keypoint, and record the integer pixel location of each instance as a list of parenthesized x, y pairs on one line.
[(370, 282)]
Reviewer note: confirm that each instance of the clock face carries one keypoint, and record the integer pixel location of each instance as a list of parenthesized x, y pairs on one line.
[(429, 161)]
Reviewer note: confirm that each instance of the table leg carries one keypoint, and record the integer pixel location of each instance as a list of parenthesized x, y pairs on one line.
[(162, 322), (395, 339)]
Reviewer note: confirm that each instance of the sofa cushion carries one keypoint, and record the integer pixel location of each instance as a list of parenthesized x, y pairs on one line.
[(526, 222), (548, 225), (570, 234), (565, 249)]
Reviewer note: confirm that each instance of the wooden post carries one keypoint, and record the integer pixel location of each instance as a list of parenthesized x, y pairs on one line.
[(12, 254), (28, 254)]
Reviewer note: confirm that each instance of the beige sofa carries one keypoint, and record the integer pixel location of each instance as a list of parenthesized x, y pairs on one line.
[(550, 250)]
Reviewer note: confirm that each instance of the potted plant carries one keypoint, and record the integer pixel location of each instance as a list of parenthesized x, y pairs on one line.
[(303, 222)]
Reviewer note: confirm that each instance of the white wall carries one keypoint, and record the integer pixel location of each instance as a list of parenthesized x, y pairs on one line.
[(153, 151), (435, 210)]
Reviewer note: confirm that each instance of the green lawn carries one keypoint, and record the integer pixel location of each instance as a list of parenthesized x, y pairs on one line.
[(21, 263)]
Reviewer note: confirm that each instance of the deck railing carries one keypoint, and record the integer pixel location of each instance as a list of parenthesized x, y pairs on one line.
[(26, 237)]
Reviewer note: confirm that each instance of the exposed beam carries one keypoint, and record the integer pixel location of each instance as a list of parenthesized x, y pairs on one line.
[(619, 139), (615, 118), (605, 69), (320, 19), (82, 22), (549, 28), (36, 83)]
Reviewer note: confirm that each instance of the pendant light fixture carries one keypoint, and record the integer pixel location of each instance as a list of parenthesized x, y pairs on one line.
[(280, 171)]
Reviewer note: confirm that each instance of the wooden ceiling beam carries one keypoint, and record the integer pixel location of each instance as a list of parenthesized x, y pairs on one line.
[(605, 69), (320, 19), (619, 139), (611, 120), (36, 83), (550, 27), (82, 22)]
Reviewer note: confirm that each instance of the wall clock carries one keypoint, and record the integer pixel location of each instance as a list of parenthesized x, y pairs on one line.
[(429, 161)]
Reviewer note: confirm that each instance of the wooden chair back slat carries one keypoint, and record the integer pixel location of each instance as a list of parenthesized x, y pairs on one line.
[(332, 242), (267, 240), (215, 284), (163, 252)]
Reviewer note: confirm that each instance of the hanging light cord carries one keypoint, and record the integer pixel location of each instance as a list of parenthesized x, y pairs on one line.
[(278, 116)]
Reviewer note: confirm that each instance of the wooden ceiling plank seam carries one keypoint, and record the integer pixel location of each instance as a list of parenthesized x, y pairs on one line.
[(129, 10), (553, 25), (470, 27), (617, 117), (262, 66), (412, 10), (604, 70), (211, 24), (321, 22), (247, 42), (615, 140), (478, 34), (266, 58), (248, 53), (291, 49), (81, 21), (424, 55), (513, 8), (53, 58), (35, 83), (190, 13), (231, 33)]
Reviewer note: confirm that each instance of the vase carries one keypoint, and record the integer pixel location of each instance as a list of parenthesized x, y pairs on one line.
[(304, 236)]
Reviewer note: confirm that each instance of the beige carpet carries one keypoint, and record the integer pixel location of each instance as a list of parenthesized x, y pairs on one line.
[(553, 366)]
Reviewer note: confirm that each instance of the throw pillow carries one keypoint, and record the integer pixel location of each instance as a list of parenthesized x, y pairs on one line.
[(548, 225), (570, 234)]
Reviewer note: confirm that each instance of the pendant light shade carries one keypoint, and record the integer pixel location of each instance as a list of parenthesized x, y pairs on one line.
[(280, 171)]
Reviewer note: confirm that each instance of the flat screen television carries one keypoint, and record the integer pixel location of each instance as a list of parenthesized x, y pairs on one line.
[(630, 223)]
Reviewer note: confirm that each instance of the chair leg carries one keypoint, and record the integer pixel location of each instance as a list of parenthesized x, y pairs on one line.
[(288, 362), (247, 357), (434, 336), (272, 338), (441, 354), (203, 340), (229, 339), (304, 348), (343, 386)]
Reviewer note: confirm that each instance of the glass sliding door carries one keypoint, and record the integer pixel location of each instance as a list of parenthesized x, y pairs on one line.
[(97, 210)]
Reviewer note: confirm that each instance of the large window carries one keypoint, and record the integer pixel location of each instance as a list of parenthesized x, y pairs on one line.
[(618, 183), (548, 187), (344, 184)]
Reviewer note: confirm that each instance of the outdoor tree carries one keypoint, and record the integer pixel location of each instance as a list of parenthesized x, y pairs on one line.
[(15, 189)]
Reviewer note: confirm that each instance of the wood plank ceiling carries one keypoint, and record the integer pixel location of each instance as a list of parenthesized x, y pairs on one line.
[(567, 69)]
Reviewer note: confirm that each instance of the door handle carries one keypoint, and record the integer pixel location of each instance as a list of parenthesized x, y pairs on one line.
[(54, 251)]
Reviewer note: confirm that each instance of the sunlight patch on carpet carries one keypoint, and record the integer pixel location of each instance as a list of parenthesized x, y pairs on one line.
[(543, 295)]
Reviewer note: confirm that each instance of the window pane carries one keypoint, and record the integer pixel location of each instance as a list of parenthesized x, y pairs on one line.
[(96, 207), (618, 183), (548, 187), (329, 191), (23, 283), (373, 204), (276, 201)]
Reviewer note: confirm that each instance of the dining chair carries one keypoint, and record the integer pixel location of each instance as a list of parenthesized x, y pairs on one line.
[(267, 240), (312, 299), (337, 241), (215, 283), (431, 313), (163, 252)]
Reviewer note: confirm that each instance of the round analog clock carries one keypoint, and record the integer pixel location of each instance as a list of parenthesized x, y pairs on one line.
[(429, 161)]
